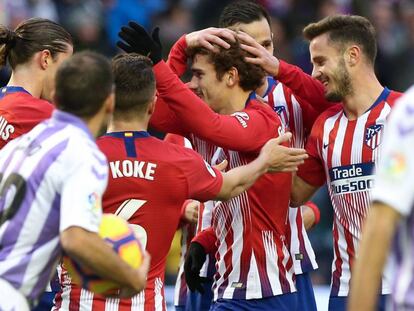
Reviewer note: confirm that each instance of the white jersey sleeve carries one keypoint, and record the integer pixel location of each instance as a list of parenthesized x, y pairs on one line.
[(81, 206), (393, 184)]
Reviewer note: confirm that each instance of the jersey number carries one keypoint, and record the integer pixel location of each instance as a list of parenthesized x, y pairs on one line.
[(126, 210), (11, 196)]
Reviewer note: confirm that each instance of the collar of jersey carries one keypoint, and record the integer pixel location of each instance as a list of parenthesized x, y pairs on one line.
[(64, 117), (134, 134), (12, 89), (383, 96), (271, 82)]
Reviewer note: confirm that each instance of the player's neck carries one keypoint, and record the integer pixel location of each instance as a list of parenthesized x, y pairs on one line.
[(235, 102), (261, 91), (27, 79), (366, 90), (127, 126)]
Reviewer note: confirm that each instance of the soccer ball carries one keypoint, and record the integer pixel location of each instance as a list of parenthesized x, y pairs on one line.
[(115, 231)]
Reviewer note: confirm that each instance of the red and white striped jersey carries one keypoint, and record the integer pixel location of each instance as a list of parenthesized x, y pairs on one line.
[(142, 194), (343, 153), (297, 117), (253, 259)]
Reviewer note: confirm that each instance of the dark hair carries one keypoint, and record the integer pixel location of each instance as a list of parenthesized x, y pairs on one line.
[(83, 83), (344, 29), (29, 37), (244, 11), (251, 76), (134, 84)]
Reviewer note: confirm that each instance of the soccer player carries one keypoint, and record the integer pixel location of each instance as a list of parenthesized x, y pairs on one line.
[(150, 178), (390, 218), (344, 143), (296, 114), (34, 50), (52, 181), (251, 227)]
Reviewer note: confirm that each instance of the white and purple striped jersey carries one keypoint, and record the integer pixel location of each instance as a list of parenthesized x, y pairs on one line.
[(394, 187), (290, 111), (52, 178), (343, 153)]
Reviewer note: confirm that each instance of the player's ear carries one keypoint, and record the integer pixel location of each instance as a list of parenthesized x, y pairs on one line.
[(151, 105), (353, 55), (45, 59), (110, 103), (232, 76)]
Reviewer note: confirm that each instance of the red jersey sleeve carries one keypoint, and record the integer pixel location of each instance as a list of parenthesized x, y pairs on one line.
[(165, 120), (177, 59), (303, 86), (203, 181), (207, 239), (255, 125), (312, 171)]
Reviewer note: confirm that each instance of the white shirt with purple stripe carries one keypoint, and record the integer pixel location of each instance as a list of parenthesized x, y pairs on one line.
[(52, 178), (394, 186)]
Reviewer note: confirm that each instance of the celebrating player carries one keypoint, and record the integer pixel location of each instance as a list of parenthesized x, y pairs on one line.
[(345, 140), (51, 192), (150, 178), (34, 50), (251, 227), (296, 114)]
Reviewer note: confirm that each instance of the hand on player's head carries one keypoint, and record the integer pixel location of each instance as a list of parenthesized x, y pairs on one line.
[(260, 56), (210, 38), (135, 39), (281, 158)]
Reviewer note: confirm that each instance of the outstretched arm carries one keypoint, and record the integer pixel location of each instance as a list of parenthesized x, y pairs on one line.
[(273, 156), (301, 84)]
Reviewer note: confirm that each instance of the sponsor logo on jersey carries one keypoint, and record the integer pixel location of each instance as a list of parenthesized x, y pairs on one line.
[(242, 117), (210, 169), (373, 135), (352, 178)]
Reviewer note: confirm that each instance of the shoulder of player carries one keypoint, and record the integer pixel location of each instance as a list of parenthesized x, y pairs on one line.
[(394, 96), (257, 107), (331, 111), (22, 104)]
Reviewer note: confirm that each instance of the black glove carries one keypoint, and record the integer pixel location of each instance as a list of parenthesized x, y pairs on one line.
[(137, 40), (196, 256)]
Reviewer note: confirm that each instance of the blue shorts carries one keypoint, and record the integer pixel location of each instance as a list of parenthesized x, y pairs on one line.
[(306, 296), (286, 302), (196, 301), (45, 302), (339, 303)]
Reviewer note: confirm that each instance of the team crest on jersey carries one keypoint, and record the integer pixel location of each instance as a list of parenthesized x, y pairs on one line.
[(373, 135), (281, 112)]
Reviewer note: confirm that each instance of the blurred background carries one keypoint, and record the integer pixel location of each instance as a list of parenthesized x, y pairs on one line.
[(94, 24)]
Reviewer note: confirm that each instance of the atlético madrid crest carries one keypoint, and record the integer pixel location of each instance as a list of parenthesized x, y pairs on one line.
[(373, 135)]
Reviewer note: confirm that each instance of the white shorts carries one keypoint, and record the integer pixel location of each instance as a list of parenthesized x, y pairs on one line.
[(11, 298)]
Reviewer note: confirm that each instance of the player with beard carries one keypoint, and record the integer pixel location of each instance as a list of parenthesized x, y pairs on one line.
[(254, 266), (344, 143), (295, 113)]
